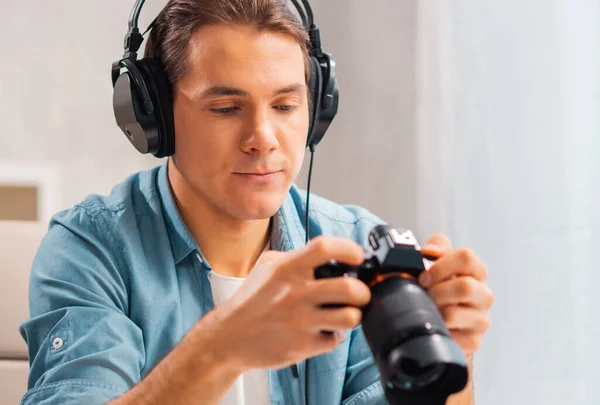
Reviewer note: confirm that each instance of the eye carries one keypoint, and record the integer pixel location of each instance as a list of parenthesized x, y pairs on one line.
[(286, 108), (225, 110)]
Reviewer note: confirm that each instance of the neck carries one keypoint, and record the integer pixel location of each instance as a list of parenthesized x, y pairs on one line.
[(230, 245)]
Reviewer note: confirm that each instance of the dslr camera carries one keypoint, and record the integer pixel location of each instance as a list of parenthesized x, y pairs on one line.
[(418, 361)]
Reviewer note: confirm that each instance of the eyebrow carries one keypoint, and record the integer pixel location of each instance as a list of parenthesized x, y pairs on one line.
[(232, 91), (292, 88)]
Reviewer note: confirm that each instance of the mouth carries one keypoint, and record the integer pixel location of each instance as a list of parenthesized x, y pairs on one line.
[(258, 175), (258, 172)]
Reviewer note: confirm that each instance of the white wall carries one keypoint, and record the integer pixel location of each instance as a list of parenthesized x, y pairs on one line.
[(56, 93), (368, 155), (513, 88)]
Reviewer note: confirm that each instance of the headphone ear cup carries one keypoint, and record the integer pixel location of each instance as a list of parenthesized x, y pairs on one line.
[(315, 85), (133, 112), (160, 93)]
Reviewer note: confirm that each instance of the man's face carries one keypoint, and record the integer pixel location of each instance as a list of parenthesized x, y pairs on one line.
[(241, 119)]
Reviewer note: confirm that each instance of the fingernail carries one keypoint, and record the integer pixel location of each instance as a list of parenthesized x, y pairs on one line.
[(432, 252), (432, 248), (425, 279)]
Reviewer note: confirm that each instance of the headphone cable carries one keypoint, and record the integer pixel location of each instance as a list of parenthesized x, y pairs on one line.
[(310, 166), (150, 26), (307, 227)]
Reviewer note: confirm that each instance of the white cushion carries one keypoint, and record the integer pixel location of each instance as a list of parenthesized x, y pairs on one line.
[(13, 381), (19, 241)]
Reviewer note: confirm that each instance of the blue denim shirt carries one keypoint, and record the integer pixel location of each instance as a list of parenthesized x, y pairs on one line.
[(119, 280)]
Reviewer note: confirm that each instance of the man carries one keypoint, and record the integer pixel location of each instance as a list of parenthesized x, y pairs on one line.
[(191, 283)]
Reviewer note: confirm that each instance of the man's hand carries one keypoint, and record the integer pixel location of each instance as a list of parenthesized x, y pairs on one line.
[(456, 283), (276, 318)]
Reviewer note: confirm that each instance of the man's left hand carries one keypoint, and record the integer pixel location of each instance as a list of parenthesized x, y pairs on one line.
[(457, 285)]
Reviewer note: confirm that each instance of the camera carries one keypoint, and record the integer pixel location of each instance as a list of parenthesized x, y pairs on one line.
[(418, 361)]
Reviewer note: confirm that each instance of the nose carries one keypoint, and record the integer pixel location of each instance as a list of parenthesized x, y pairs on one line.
[(260, 135)]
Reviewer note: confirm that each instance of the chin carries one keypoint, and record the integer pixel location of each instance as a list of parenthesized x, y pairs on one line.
[(255, 206)]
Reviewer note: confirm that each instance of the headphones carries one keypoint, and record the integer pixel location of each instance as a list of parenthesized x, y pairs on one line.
[(142, 96)]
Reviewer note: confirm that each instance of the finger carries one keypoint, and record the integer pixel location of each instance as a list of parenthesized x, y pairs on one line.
[(340, 290), (326, 342), (461, 262), (437, 245), (463, 290), (469, 342), (465, 319), (321, 250), (328, 319)]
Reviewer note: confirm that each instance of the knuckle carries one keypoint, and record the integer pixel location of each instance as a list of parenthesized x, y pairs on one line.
[(347, 317), (490, 298), (287, 295), (484, 272), (466, 256), (448, 314), (319, 243), (474, 341), (347, 287), (468, 342), (465, 286), (485, 323), (352, 317)]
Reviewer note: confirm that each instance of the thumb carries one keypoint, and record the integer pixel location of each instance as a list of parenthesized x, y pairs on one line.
[(437, 245)]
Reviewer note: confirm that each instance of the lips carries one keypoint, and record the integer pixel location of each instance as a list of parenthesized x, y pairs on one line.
[(257, 172), (259, 176)]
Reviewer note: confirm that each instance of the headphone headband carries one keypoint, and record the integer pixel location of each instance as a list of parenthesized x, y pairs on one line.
[(142, 97)]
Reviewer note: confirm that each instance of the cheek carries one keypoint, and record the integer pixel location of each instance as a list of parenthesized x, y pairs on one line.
[(297, 142), (294, 151), (200, 146), (299, 157), (203, 155)]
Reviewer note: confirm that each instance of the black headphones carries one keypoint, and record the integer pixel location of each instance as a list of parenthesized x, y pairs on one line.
[(142, 100)]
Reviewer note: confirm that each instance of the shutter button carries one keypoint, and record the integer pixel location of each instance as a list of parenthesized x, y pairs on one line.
[(57, 343)]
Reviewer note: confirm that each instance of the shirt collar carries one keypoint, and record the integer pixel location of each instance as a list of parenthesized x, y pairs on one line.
[(287, 232), (182, 241)]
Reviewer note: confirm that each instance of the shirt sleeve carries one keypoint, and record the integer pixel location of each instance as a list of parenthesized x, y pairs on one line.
[(83, 348), (362, 385)]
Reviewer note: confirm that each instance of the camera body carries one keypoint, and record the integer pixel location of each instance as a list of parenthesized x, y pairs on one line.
[(418, 361)]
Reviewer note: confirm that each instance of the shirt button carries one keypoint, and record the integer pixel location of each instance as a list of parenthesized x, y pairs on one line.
[(57, 343)]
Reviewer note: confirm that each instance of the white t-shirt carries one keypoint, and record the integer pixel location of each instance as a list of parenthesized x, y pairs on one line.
[(252, 387)]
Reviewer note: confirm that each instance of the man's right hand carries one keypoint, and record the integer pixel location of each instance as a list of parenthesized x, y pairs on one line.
[(277, 317)]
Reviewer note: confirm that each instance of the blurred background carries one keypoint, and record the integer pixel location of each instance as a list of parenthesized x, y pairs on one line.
[(480, 119)]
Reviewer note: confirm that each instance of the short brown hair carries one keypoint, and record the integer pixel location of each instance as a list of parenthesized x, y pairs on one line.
[(179, 19)]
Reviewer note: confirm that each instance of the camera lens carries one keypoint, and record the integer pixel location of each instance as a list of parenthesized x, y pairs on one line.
[(411, 371), (410, 342), (399, 311)]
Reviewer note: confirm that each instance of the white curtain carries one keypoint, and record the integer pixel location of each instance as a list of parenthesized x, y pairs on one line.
[(508, 140)]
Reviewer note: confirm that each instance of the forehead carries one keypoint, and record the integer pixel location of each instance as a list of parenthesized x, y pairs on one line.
[(243, 58)]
